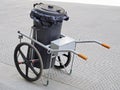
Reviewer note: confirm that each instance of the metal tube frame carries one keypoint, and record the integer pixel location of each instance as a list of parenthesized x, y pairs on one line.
[(46, 47), (88, 42), (52, 51)]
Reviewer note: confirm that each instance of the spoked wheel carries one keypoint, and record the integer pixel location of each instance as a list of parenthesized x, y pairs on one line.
[(62, 61), (24, 61)]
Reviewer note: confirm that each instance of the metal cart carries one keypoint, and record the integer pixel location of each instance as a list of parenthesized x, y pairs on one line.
[(31, 58)]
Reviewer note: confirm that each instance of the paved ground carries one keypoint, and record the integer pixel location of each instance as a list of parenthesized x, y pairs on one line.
[(87, 22)]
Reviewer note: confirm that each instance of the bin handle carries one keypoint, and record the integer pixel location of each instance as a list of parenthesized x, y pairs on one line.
[(46, 26), (36, 4), (66, 18)]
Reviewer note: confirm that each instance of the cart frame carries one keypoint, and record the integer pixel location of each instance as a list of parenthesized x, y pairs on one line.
[(52, 51)]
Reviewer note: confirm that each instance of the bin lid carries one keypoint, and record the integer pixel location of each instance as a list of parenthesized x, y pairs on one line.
[(50, 9)]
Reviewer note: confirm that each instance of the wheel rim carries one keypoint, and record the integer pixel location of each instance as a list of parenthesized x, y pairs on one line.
[(24, 61), (62, 61)]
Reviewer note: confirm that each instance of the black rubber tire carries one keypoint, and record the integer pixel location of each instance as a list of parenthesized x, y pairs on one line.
[(26, 61), (65, 64)]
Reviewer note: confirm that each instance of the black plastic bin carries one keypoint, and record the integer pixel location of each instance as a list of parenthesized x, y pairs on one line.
[(47, 20)]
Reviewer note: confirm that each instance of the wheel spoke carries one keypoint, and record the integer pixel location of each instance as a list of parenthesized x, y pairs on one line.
[(60, 61), (34, 60), (64, 60), (65, 55), (23, 56), (27, 69), (33, 70)]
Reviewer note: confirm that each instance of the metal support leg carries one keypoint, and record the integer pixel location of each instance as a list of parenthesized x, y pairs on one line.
[(65, 70), (48, 73), (63, 65), (72, 62)]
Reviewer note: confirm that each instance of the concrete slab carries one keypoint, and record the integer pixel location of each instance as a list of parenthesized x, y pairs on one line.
[(10, 80)]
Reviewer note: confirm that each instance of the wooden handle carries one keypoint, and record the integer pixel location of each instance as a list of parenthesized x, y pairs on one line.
[(105, 45), (83, 56)]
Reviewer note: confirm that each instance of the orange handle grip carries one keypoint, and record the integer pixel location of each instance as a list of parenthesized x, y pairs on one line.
[(83, 56), (105, 45)]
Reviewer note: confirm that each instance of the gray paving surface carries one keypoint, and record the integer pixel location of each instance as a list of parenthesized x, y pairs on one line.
[(87, 22)]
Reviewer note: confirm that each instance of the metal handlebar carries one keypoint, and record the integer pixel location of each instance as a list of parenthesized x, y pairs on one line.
[(72, 51), (102, 44)]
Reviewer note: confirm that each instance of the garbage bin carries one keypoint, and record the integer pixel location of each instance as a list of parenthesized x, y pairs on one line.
[(47, 20)]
